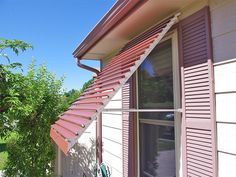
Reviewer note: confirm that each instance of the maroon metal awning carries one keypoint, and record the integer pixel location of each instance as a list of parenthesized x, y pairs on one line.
[(66, 131)]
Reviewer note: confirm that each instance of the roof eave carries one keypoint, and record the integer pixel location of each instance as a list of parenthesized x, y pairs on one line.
[(114, 16)]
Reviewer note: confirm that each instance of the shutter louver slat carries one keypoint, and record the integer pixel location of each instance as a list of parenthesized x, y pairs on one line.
[(128, 128), (104, 87), (198, 128)]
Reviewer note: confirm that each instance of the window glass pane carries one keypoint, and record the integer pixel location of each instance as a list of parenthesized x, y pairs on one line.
[(157, 151), (156, 82), (157, 138)]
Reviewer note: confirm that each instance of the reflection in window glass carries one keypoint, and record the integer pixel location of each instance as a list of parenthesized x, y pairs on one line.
[(156, 130), (157, 151), (156, 82)]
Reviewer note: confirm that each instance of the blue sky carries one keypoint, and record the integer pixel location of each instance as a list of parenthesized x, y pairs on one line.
[(54, 28)]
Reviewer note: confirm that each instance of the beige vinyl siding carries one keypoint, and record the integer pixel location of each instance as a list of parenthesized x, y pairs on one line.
[(227, 165), (112, 136), (223, 22), (223, 17), (81, 159)]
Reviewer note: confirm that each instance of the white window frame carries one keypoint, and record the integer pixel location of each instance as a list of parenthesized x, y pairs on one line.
[(177, 104)]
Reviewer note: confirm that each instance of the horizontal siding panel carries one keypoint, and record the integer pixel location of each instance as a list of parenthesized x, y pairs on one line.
[(113, 161), (224, 47), (112, 120), (226, 165), (114, 104), (112, 134), (226, 137), (116, 147), (226, 107), (225, 82), (225, 12)]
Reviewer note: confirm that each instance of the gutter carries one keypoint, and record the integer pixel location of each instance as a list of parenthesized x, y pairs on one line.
[(120, 10), (86, 67)]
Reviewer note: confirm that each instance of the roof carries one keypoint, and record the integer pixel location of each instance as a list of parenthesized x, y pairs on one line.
[(119, 10), (124, 21)]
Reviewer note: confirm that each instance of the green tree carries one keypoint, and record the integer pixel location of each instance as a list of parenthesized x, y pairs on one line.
[(29, 104), (9, 82), (73, 94), (32, 153)]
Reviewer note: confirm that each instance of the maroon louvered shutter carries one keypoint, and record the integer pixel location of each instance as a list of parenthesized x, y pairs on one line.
[(199, 141), (129, 129)]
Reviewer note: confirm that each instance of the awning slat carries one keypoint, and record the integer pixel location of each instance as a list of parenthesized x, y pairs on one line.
[(97, 95), (113, 73), (89, 101), (120, 76), (86, 107), (95, 86), (112, 77), (65, 133), (75, 119), (62, 143), (97, 90), (82, 113), (68, 126)]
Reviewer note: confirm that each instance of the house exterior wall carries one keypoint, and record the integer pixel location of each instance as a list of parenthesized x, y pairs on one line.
[(112, 136), (72, 165), (223, 23)]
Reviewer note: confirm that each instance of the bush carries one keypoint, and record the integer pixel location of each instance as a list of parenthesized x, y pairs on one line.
[(31, 153), (29, 105)]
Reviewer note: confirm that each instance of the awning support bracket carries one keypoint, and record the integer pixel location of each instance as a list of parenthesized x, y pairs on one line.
[(142, 110)]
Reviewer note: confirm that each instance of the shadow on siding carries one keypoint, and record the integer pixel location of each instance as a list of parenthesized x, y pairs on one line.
[(81, 161)]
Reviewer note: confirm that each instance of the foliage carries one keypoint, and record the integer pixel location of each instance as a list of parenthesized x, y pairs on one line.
[(3, 159), (15, 45), (29, 104), (72, 95), (3, 152), (9, 83), (32, 153)]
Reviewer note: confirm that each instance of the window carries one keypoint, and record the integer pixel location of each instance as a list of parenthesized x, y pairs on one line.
[(156, 83)]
